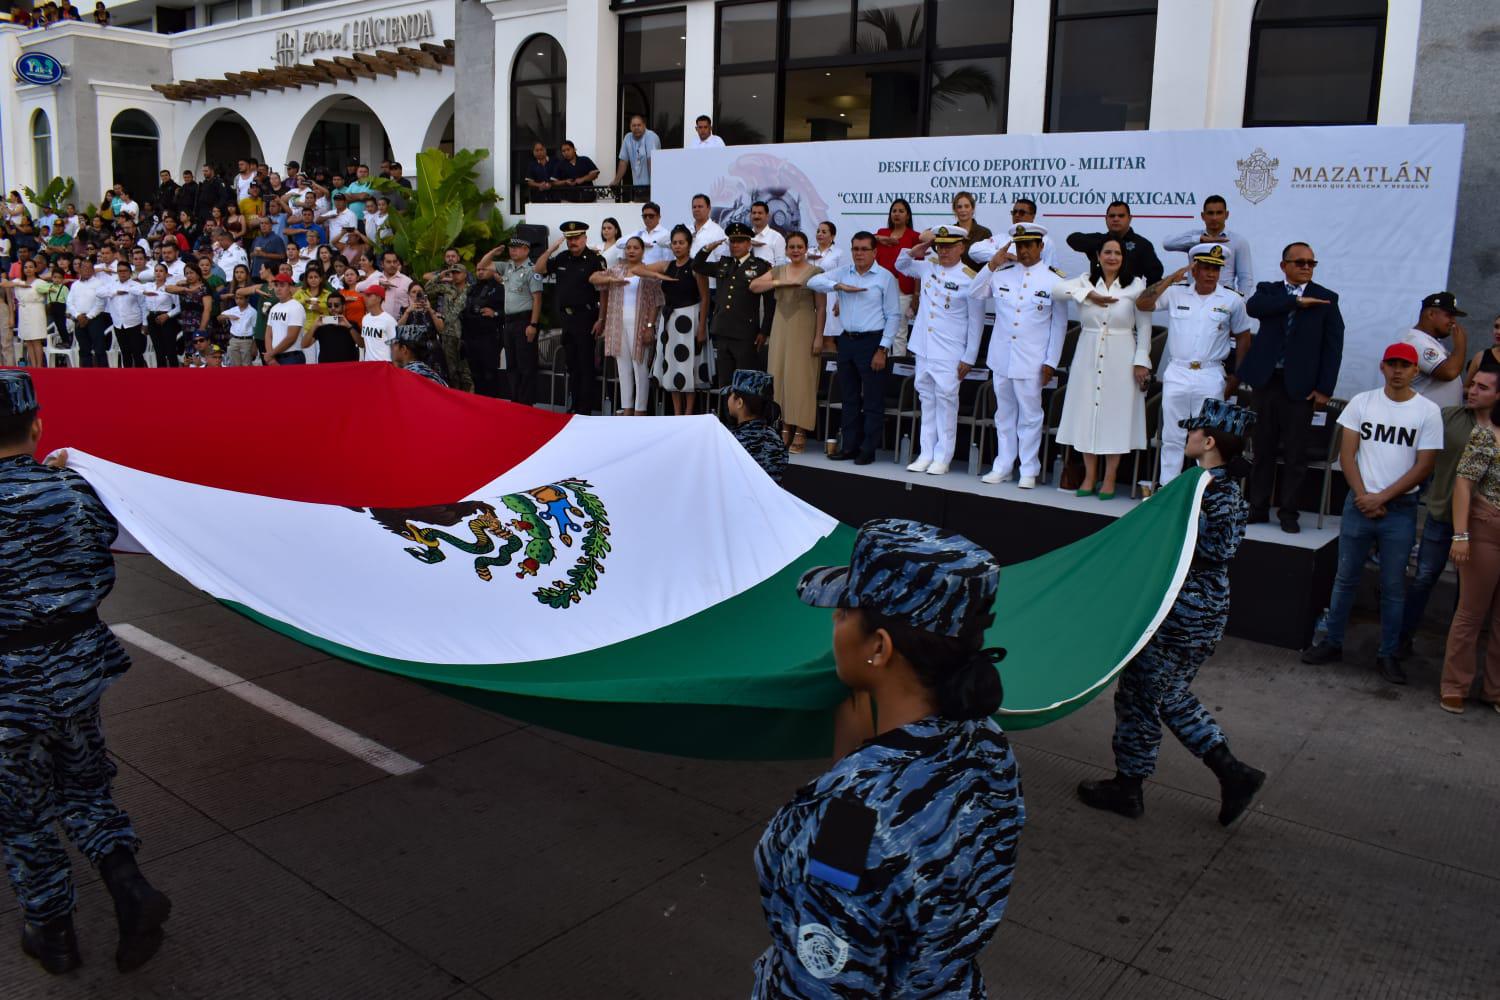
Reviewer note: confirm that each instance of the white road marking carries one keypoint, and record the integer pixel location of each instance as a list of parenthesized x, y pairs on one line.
[(327, 730)]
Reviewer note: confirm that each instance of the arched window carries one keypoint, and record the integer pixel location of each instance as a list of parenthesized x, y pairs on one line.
[(538, 102), (1315, 64), (133, 141), (41, 148)]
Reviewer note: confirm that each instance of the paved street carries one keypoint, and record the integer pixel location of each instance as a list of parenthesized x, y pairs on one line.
[(520, 863)]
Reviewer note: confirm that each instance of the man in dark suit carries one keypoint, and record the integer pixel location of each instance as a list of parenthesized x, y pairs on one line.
[(1293, 366)]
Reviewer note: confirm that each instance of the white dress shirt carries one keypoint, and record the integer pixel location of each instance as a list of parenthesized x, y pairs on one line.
[(711, 142), (84, 298), (124, 302)]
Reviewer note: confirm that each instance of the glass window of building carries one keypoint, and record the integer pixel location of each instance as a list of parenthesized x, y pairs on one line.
[(537, 107), (797, 70), (1099, 73), (133, 141), (41, 148), (653, 49), (227, 10), (1315, 64)]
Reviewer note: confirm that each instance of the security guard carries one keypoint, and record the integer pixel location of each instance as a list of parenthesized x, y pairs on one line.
[(754, 413), (945, 339), (888, 874), (741, 321), (1025, 348), (578, 302), (56, 660), (1154, 687), (483, 314), (1204, 320), (523, 318), (408, 349)]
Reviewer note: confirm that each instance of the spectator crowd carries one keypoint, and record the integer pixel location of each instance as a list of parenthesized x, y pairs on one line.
[(271, 268)]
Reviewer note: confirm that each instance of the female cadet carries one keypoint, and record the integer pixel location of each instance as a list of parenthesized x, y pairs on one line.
[(887, 875), (1154, 686), (754, 412)]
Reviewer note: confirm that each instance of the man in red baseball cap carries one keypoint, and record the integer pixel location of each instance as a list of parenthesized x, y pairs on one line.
[(1391, 438), (284, 325)]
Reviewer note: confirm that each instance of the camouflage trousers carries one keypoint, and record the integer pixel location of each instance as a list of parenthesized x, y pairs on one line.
[(60, 773), (1153, 689), (457, 367)]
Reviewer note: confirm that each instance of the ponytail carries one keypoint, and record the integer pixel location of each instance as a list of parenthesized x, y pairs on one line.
[(962, 674)]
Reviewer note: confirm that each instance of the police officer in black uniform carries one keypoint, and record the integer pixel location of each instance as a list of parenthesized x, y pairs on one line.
[(741, 322), (56, 660), (483, 316), (577, 302)]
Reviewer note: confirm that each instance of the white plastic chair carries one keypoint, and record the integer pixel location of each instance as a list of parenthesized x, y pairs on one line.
[(54, 348)]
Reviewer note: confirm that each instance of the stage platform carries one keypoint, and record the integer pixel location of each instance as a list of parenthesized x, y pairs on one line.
[(1280, 581)]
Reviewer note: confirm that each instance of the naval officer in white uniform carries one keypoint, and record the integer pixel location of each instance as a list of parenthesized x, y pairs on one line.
[(1025, 348), (1204, 321), (945, 339)]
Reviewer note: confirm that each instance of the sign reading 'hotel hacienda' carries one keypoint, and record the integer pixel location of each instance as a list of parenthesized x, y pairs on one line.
[(353, 36)]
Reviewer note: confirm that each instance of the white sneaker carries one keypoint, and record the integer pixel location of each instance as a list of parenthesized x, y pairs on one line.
[(938, 469), (920, 465), (1027, 483), (994, 477)]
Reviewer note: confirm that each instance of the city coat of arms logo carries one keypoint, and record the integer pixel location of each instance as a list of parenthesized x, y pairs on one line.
[(1257, 177), (521, 531)]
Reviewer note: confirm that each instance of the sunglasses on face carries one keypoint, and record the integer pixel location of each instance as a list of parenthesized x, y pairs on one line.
[(1302, 262)]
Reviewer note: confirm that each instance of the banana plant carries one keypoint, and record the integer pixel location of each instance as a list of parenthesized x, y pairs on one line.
[(448, 210), (52, 198)]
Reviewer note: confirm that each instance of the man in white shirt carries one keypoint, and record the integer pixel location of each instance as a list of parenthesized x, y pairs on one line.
[(1205, 321), (90, 320), (656, 236), (342, 225), (1440, 370), (296, 261), (765, 242), (705, 229), (1389, 443), (228, 254), (1023, 210), (377, 330), (705, 139), (1237, 273), (284, 325), (243, 180), (171, 257), (241, 318), (127, 314), (128, 208), (396, 287)]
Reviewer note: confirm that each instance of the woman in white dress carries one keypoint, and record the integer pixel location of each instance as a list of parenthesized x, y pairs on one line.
[(829, 256), (31, 321), (1104, 411), (609, 246)]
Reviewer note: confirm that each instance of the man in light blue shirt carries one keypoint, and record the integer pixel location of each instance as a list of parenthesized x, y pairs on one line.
[(1237, 275), (358, 192), (869, 310), (635, 152)]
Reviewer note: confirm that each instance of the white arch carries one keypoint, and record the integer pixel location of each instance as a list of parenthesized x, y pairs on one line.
[(441, 119), (192, 153)]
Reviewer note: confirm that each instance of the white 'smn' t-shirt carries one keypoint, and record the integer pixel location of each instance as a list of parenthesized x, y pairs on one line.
[(280, 320), (379, 329), (1391, 434)]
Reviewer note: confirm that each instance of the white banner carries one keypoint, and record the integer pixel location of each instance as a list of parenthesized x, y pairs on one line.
[(1376, 203)]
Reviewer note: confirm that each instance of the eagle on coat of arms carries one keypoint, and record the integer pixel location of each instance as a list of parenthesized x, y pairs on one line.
[(521, 531), (1257, 177)]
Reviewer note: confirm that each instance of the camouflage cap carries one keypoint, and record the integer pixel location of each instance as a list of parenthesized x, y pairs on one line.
[(1220, 415), (933, 579), (17, 394), (413, 333), (749, 382)]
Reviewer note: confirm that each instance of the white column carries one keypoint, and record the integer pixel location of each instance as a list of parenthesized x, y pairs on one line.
[(698, 68), (1230, 67), (1026, 108), (593, 80), (1398, 74), (1180, 74), (15, 135)]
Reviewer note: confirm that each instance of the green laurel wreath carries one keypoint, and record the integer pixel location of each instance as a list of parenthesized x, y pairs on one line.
[(583, 577)]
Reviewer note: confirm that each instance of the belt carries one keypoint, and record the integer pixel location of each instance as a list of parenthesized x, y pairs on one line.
[(1199, 365), (235, 336), (517, 315), (61, 627), (860, 333)]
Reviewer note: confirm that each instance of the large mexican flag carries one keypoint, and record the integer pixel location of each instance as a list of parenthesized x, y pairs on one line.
[(629, 579)]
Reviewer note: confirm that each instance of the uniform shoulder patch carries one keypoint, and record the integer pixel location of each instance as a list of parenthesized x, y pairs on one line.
[(839, 851)]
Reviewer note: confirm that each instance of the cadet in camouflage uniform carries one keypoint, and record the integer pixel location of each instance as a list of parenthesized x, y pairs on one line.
[(1154, 687), (751, 407), (407, 351), (56, 659), (448, 289), (887, 875)]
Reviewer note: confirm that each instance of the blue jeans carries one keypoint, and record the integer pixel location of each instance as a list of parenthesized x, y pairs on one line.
[(1437, 537), (862, 390), (1394, 533)]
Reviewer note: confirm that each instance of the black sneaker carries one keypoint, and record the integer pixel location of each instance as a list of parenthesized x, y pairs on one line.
[(1323, 652), (843, 456), (865, 458), (1390, 669)]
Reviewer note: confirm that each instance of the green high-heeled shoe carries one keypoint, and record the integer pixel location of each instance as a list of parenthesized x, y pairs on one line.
[(1107, 496), (1087, 493)]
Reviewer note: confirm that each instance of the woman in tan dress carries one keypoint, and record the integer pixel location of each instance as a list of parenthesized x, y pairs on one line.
[(796, 340)]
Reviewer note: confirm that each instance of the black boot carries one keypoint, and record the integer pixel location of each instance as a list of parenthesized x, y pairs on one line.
[(54, 944), (1238, 783), (139, 908), (1121, 794)]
